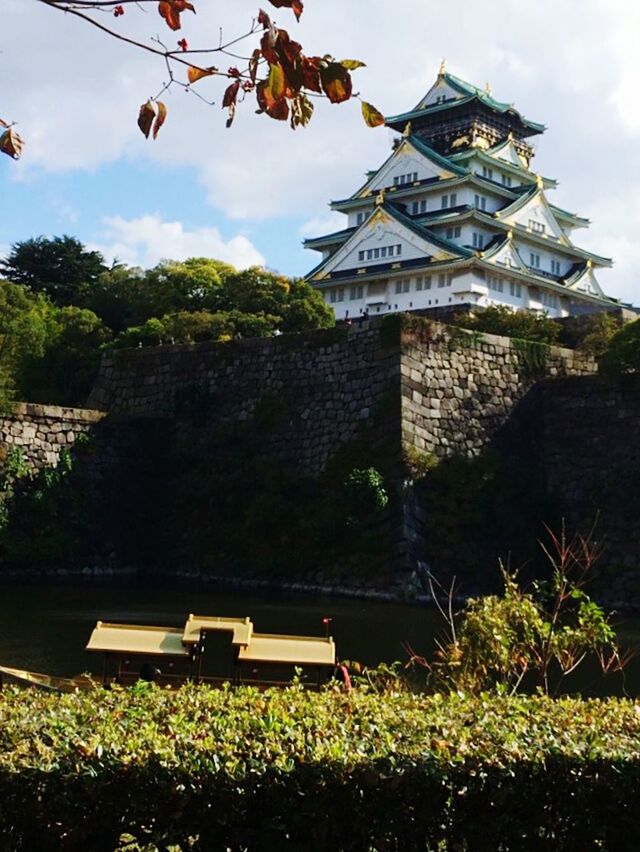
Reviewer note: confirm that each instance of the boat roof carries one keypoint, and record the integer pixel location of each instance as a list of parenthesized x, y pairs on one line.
[(241, 628), (137, 639), (294, 650)]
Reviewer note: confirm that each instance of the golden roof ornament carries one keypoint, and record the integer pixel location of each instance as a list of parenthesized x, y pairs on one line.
[(539, 181), (510, 234), (443, 68), (407, 130), (380, 198), (487, 89)]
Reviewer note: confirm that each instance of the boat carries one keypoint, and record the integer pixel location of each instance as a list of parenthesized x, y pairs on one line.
[(172, 656)]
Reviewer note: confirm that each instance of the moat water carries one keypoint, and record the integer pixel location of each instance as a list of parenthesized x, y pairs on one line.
[(45, 626)]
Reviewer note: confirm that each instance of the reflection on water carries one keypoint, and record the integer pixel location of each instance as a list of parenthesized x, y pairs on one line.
[(44, 627)]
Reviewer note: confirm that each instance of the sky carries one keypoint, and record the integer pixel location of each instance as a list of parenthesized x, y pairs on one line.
[(251, 194)]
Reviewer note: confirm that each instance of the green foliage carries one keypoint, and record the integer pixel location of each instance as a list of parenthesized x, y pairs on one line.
[(418, 463), (61, 267), (45, 515), (531, 358), (365, 495), (590, 333), (395, 328), (200, 769), (545, 633), (623, 354), (503, 321), (63, 306), (480, 508)]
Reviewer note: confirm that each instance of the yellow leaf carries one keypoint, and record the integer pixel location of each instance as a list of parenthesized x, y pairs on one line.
[(194, 74), (11, 144), (371, 115)]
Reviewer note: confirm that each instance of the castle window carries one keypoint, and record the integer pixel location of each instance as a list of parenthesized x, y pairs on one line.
[(423, 206), (537, 227), (480, 202), (549, 300), (478, 240), (398, 251), (534, 260), (402, 180), (515, 290), (496, 284), (403, 285), (376, 253), (444, 280), (555, 267), (360, 255), (415, 208), (356, 292), (506, 180), (453, 232), (333, 296), (487, 173), (341, 294), (423, 282), (445, 202)]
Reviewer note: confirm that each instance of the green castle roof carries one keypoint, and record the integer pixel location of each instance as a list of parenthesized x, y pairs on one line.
[(469, 93)]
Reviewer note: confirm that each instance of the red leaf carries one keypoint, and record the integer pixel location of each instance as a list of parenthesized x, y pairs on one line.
[(152, 115), (278, 109), (336, 82), (171, 10), (231, 94), (295, 5)]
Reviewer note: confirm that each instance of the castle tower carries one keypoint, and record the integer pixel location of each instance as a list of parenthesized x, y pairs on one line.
[(457, 217)]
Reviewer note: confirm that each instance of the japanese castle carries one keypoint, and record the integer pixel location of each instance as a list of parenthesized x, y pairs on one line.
[(456, 217)]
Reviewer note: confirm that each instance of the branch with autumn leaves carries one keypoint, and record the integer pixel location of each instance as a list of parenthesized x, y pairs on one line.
[(277, 72)]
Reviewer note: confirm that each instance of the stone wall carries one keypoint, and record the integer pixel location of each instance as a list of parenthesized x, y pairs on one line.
[(587, 440), (41, 432), (424, 391), (314, 392), (459, 389)]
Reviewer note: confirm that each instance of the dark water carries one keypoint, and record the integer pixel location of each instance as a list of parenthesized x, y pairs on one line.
[(44, 627)]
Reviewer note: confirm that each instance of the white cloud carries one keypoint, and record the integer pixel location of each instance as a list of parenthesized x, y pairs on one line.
[(147, 240), (333, 221)]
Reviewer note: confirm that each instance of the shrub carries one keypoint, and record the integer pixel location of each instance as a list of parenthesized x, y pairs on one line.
[(623, 354), (509, 323), (225, 769)]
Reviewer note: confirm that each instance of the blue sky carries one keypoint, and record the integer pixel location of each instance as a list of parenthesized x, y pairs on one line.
[(250, 194)]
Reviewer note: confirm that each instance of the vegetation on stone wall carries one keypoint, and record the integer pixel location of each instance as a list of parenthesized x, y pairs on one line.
[(589, 333), (46, 516), (480, 509)]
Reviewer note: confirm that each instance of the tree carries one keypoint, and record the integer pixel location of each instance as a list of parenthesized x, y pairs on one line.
[(60, 267), (273, 67), (623, 354), (65, 371)]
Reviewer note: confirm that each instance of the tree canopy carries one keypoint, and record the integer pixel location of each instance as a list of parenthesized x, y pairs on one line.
[(62, 306), (263, 62), (60, 267)]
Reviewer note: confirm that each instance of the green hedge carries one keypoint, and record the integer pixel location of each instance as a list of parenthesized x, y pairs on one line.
[(292, 770)]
